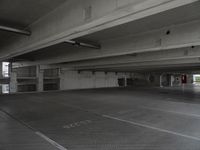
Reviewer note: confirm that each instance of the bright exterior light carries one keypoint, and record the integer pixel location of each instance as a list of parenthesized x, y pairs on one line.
[(196, 78), (5, 69), (5, 74)]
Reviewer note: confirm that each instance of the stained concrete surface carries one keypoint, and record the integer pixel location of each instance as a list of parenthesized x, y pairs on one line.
[(105, 119), (15, 136)]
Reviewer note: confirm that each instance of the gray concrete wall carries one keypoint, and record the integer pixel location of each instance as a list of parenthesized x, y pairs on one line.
[(26, 71), (88, 79), (146, 79), (176, 80), (68, 79)]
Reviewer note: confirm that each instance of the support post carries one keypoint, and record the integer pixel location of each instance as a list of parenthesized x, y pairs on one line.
[(61, 76), (13, 81), (1, 76), (125, 78), (1, 70), (40, 79), (172, 81), (161, 80)]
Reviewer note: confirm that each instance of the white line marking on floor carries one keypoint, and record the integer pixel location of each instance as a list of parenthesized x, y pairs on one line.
[(154, 128), (174, 112), (60, 147), (55, 144), (77, 124)]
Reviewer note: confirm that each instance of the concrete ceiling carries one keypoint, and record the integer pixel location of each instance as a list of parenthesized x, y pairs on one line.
[(175, 16), (132, 63), (21, 13), (54, 51), (179, 15), (24, 12)]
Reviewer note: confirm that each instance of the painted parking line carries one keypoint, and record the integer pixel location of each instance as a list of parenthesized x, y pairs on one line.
[(174, 112), (153, 128), (55, 144), (77, 124)]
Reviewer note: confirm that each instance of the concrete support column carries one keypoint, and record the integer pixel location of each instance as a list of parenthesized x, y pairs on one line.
[(161, 80), (1, 70), (13, 82), (190, 79), (13, 79), (172, 81), (1, 76), (62, 79), (40, 79), (125, 78)]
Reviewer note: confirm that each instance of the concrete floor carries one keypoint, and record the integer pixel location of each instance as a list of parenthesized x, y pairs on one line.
[(102, 119)]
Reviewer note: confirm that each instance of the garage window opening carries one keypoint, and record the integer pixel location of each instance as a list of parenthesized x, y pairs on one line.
[(196, 79), (5, 74), (5, 69)]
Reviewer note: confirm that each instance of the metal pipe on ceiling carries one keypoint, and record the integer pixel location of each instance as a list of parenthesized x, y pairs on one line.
[(14, 30), (83, 44)]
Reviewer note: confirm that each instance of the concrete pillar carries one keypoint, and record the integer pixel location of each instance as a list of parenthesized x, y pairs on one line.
[(13, 82), (40, 79), (172, 81), (1, 76), (125, 80), (1, 70), (61, 76), (161, 76), (190, 79), (13, 79)]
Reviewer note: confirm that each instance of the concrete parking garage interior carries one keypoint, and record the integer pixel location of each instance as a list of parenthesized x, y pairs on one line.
[(100, 75)]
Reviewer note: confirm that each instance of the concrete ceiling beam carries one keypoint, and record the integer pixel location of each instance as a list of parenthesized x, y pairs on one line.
[(175, 54), (145, 65), (70, 21), (169, 42)]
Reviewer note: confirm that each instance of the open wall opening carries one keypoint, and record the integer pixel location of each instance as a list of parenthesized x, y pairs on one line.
[(51, 80), (4, 74), (196, 79), (5, 69)]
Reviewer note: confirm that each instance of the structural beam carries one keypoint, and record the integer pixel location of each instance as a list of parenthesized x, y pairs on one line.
[(182, 37), (60, 25), (147, 65), (174, 54), (167, 55)]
